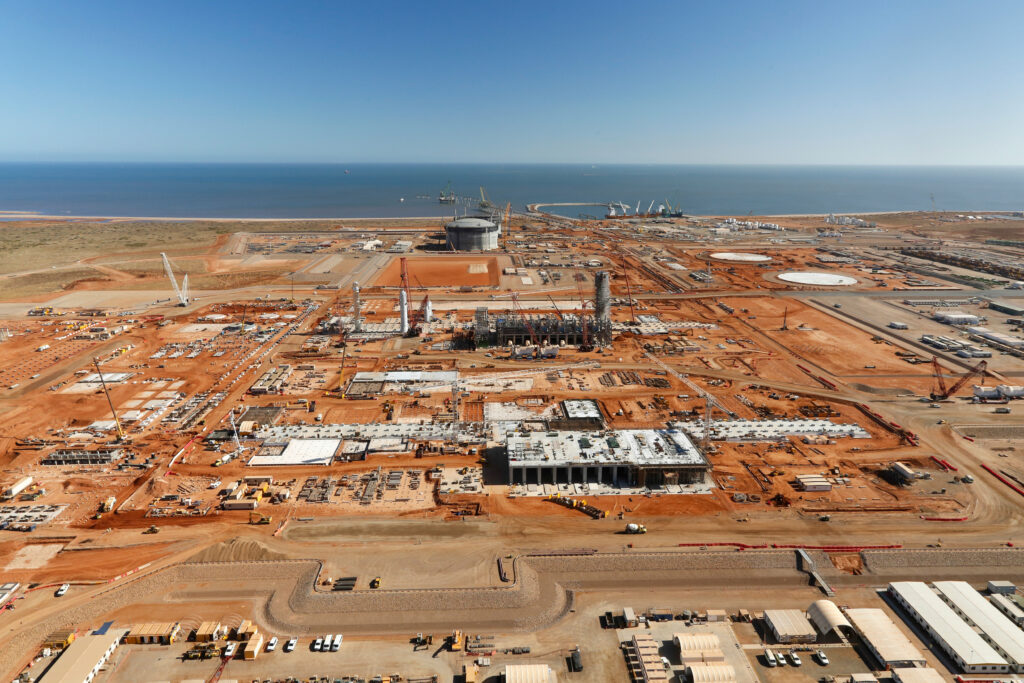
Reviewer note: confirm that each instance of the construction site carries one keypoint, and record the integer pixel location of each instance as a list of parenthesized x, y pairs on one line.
[(509, 447)]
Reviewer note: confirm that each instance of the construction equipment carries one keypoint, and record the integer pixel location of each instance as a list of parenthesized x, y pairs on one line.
[(456, 638), (152, 529), (375, 583), (555, 306), (710, 402), (405, 279), (259, 518), (422, 641), (581, 505), (507, 227), (180, 292), (117, 423), (629, 293), (634, 528), (584, 329), (529, 328), (485, 201), (943, 393)]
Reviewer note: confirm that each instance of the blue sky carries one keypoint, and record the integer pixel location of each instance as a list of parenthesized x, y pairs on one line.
[(906, 82)]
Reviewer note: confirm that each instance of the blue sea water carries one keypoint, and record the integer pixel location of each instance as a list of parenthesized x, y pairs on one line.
[(369, 190)]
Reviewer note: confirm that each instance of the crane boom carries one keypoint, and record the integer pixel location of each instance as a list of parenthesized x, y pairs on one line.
[(182, 296), (110, 402), (945, 393)]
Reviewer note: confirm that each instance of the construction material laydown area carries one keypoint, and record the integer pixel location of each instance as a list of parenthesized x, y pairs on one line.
[(516, 447)]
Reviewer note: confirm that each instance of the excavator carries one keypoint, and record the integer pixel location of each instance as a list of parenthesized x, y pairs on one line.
[(259, 518), (943, 393)]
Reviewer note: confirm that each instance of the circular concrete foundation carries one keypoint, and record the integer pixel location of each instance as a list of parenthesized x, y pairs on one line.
[(740, 257), (818, 279)]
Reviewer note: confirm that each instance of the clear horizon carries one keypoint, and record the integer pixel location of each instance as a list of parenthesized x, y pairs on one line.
[(914, 83)]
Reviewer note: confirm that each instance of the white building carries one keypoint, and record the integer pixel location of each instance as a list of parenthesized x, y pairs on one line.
[(885, 640), (83, 658), (951, 633), (997, 630)]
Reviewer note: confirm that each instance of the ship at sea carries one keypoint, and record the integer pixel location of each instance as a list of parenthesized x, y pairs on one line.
[(447, 195)]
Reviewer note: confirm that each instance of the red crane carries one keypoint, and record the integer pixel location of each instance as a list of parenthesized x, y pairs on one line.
[(529, 328), (943, 393), (629, 293), (557, 312)]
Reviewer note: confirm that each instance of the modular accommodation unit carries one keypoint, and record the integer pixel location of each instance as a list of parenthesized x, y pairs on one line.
[(83, 659), (997, 630), (1008, 607), (951, 633)]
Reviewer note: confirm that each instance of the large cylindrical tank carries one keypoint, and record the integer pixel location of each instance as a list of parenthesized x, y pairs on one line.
[(986, 392), (471, 234)]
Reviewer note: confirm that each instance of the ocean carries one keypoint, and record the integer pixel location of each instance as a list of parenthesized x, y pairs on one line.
[(379, 190)]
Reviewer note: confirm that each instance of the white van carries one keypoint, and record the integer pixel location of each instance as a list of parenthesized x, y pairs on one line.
[(336, 644), (769, 658), (317, 644)]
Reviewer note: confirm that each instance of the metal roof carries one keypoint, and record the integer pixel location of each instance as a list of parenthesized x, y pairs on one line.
[(529, 673), (80, 658), (888, 641), (1003, 633), (917, 675), (946, 625), (789, 623), (827, 617)]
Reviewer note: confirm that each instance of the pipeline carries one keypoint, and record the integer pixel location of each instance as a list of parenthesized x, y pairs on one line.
[(941, 463), (1003, 479), (794, 546), (944, 519)]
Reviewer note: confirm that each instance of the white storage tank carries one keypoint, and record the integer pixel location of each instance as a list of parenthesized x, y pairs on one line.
[(1009, 391), (986, 392)]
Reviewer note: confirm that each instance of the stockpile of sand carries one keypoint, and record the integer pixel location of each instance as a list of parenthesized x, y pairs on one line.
[(237, 550)]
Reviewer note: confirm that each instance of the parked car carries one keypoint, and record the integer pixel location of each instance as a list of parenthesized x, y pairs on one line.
[(229, 651), (317, 644), (795, 658), (290, 645), (272, 644), (822, 657), (63, 589)]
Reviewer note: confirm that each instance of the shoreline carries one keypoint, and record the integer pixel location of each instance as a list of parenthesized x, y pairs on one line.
[(12, 216)]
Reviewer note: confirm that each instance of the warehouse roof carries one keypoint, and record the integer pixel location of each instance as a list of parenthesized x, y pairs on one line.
[(529, 673), (917, 675), (712, 673), (944, 622), (789, 623), (884, 636)]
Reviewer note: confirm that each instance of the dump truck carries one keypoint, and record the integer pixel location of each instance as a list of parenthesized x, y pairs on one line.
[(634, 528)]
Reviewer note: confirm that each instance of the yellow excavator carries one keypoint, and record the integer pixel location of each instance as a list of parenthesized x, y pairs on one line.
[(259, 518)]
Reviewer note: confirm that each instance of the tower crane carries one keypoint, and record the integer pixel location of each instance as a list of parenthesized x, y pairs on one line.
[(710, 401), (117, 423), (943, 393)]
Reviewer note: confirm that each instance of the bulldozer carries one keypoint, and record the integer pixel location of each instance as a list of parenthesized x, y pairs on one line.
[(152, 529)]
